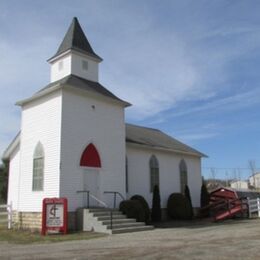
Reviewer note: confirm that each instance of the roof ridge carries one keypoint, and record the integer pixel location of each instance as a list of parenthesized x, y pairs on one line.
[(150, 128), (76, 82)]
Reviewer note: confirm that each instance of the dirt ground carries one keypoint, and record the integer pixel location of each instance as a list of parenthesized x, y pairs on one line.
[(233, 239)]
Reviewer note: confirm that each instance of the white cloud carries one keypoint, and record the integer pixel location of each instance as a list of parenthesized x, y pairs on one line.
[(195, 137), (193, 131), (23, 71), (154, 74), (157, 63), (230, 103), (156, 70), (10, 125)]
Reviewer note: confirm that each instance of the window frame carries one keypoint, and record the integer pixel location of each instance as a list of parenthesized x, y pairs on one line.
[(84, 65), (60, 65), (38, 168)]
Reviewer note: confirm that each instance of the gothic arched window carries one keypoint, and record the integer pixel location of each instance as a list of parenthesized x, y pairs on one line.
[(90, 157), (38, 168), (154, 172), (183, 175)]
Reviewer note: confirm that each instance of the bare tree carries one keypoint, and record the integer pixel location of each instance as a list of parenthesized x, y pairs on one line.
[(252, 167), (235, 174), (213, 173), (239, 174)]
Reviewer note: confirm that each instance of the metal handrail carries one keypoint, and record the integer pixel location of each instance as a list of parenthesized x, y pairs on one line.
[(93, 197), (85, 191), (99, 201), (115, 193)]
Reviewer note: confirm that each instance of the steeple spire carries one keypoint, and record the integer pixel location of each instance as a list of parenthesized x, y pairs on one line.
[(75, 56), (76, 40)]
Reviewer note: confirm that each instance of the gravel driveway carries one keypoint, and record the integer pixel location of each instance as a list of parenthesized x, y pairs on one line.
[(233, 239)]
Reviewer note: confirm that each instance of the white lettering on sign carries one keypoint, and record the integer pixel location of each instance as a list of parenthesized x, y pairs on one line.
[(54, 215)]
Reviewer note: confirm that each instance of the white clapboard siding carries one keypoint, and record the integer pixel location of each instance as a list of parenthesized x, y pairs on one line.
[(169, 174), (72, 64), (90, 120), (41, 122), (13, 181)]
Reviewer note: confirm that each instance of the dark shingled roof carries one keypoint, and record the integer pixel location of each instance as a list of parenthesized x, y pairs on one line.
[(156, 139), (84, 84), (75, 39), (147, 137)]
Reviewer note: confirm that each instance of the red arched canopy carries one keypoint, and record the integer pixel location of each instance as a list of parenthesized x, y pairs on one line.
[(90, 157)]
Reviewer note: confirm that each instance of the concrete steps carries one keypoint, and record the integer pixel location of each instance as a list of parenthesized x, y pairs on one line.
[(119, 221), (126, 225), (108, 217), (99, 220), (107, 213), (131, 229)]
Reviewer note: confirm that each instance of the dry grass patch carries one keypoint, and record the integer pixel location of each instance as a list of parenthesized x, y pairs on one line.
[(27, 237)]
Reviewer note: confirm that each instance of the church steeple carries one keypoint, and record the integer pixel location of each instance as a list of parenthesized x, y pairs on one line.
[(75, 56), (75, 39)]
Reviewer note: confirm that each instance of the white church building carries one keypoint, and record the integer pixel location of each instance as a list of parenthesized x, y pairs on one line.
[(74, 138)]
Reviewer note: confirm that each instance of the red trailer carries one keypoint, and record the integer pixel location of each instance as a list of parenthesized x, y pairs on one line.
[(225, 203)]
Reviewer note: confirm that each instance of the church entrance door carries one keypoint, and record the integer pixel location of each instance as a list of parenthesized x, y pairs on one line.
[(91, 184)]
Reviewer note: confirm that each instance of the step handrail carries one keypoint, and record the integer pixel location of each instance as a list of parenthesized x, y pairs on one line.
[(85, 191), (89, 194), (99, 201), (115, 194)]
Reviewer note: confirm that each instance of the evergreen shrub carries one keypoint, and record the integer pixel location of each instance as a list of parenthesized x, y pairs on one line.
[(204, 201), (156, 214), (204, 196), (187, 195), (145, 206), (178, 207), (133, 209)]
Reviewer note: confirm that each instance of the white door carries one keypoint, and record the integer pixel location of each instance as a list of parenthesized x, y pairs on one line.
[(91, 184)]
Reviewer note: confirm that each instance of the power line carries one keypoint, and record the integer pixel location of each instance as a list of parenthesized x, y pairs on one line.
[(227, 168)]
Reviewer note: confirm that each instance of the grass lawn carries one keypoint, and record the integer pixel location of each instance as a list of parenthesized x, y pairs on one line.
[(27, 237)]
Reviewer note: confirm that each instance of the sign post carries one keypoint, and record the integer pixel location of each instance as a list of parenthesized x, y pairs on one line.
[(54, 215)]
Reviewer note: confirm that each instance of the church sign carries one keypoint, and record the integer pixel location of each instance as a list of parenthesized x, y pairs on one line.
[(54, 215)]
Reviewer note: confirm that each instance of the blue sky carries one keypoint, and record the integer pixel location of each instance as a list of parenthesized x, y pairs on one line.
[(190, 68)]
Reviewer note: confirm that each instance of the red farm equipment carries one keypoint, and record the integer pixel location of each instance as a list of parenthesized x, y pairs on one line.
[(225, 203)]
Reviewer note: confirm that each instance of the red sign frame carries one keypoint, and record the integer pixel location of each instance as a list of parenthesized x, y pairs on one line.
[(54, 201)]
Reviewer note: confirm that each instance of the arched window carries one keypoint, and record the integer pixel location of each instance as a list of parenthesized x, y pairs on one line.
[(154, 172), (90, 157), (183, 175), (38, 168)]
